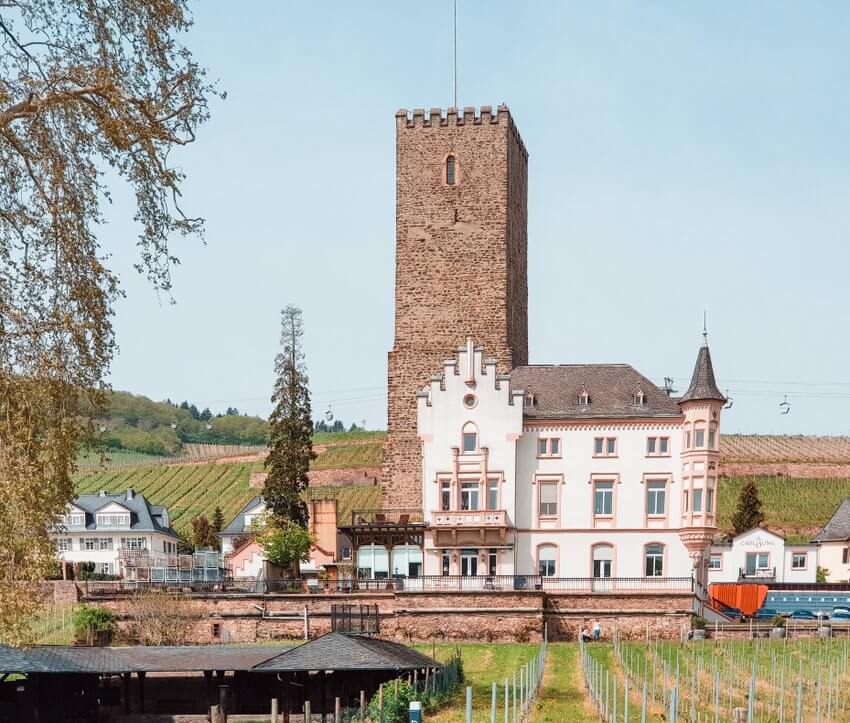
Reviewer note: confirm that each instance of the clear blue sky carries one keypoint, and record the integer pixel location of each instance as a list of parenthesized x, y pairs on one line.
[(682, 157)]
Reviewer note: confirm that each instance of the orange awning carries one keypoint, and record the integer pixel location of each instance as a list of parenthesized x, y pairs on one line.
[(746, 597)]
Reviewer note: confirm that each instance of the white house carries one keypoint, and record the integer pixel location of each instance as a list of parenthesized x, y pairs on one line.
[(97, 528), (760, 555), (575, 470), (834, 544)]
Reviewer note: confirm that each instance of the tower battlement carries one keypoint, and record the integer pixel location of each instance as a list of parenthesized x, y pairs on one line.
[(458, 117)]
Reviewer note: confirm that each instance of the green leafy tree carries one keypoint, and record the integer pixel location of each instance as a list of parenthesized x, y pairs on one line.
[(285, 543), (202, 532), (290, 426), (748, 513), (92, 94)]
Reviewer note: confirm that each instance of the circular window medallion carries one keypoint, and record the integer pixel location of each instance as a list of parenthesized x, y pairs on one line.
[(469, 401)]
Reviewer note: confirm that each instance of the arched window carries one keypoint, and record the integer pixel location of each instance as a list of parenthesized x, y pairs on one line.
[(654, 560), (603, 560), (639, 397), (583, 397), (469, 438), (699, 435), (451, 171), (546, 560)]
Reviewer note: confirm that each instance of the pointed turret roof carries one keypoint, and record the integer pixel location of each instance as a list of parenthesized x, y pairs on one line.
[(703, 385)]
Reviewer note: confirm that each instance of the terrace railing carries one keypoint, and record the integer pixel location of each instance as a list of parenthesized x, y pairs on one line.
[(765, 575), (379, 518), (487, 583)]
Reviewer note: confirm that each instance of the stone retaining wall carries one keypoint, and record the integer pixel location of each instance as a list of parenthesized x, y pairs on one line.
[(509, 616)]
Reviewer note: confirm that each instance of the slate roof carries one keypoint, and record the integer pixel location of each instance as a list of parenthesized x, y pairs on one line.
[(144, 517), (335, 651), (838, 527), (703, 385), (611, 387), (236, 526)]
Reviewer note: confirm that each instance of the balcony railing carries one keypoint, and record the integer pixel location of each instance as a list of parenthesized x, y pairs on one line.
[(486, 584), (389, 518), (767, 574), (469, 518)]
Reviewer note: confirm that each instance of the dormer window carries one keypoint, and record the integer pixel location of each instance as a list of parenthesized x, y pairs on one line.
[(75, 519), (530, 400), (583, 398), (451, 171), (639, 397), (114, 519)]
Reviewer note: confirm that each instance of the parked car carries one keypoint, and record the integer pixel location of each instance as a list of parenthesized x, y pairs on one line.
[(766, 613), (803, 615), (841, 615), (840, 609)]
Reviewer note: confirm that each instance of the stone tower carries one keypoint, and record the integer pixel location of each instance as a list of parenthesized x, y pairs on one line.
[(461, 262)]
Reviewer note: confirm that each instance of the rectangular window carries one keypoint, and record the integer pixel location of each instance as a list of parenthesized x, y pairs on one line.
[(346, 553), (75, 519), (470, 441), (133, 543), (445, 495), (603, 499), (63, 544), (712, 438), (492, 559), (548, 499), (685, 500), (89, 543), (715, 562), (697, 501), (656, 493), (845, 556), (798, 561), (605, 447), (546, 568), (709, 499), (654, 566), (216, 630), (548, 447), (688, 439), (699, 437), (104, 568), (469, 496), (113, 520), (492, 494), (657, 446)]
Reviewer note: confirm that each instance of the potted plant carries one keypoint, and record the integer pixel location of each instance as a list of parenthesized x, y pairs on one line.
[(778, 629), (698, 628)]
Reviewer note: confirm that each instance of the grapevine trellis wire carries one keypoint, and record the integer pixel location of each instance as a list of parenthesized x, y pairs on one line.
[(762, 681)]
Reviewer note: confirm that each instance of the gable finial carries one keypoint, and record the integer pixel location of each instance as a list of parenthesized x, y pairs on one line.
[(704, 328)]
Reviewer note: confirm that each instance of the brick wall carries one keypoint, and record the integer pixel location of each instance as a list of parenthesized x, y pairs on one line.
[(461, 265)]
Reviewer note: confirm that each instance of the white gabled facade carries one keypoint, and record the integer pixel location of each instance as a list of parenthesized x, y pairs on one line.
[(527, 473), (760, 555), (98, 528)]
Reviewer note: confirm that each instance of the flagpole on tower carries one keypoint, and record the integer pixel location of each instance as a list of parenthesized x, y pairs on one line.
[(455, 52)]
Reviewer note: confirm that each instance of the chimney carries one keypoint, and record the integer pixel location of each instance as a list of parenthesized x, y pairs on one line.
[(130, 493)]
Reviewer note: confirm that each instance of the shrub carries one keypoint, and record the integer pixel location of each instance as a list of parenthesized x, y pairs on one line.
[(92, 622), (777, 621), (698, 623)]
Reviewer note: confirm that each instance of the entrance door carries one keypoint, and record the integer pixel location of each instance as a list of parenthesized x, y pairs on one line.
[(602, 567), (469, 569)]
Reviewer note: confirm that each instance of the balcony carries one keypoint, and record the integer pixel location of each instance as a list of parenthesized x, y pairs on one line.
[(386, 519), (469, 518), (761, 575)]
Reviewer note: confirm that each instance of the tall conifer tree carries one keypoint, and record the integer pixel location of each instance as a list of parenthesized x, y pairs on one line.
[(748, 514), (291, 426)]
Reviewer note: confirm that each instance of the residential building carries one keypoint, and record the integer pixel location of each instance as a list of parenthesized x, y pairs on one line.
[(834, 544), (759, 555), (246, 559), (100, 528)]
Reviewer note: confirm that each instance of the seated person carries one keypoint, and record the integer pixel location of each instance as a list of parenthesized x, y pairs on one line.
[(585, 636)]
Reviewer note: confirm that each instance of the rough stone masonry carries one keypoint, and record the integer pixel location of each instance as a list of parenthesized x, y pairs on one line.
[(461, 263)]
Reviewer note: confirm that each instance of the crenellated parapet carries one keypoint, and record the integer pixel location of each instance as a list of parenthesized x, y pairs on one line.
[(458, 118)]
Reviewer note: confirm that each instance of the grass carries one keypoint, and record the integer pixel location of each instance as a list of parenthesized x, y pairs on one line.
[(562, 697), (54, 625), (797, 506), (348, 456)]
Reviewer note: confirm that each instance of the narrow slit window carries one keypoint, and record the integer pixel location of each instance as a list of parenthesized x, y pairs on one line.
[(450, 171)]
